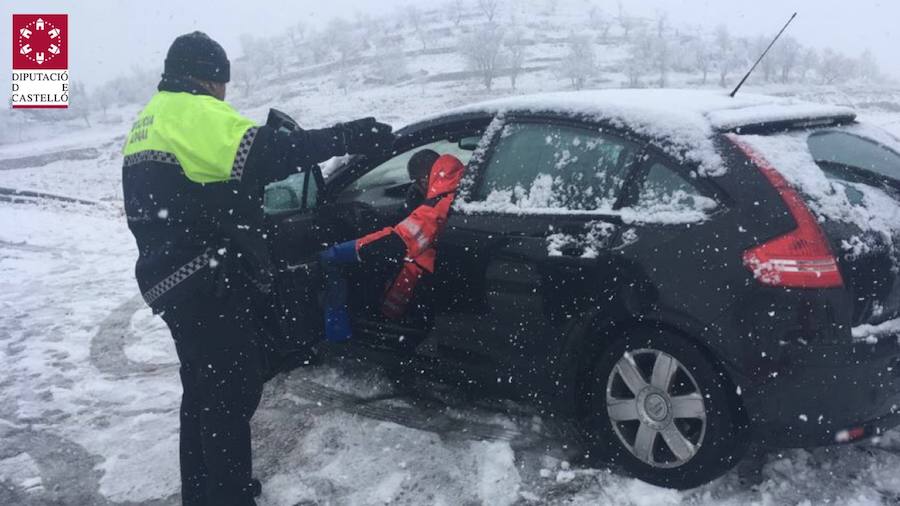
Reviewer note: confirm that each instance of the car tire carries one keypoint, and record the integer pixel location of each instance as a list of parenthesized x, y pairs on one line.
[(682, 427)]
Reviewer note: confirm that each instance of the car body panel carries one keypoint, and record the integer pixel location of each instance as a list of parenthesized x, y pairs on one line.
[(524, 323)]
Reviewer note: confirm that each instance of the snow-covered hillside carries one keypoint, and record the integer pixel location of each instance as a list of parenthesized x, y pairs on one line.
[(89, 388)]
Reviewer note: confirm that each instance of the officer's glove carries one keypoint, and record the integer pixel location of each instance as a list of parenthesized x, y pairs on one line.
[(366, 136)]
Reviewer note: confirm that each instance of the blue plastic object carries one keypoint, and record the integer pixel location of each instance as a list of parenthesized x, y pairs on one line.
[(343, 253), (337, 324)]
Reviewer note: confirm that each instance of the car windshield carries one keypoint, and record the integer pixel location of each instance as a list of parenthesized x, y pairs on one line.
[(835, 147)]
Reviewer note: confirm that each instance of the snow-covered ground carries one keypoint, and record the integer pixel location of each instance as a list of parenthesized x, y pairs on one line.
[(89, 388), (89, 396)]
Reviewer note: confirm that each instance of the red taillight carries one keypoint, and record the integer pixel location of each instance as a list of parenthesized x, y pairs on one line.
[(848, 435), (798, 259)]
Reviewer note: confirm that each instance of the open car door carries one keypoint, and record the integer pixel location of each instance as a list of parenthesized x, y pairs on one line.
[(366, 195)]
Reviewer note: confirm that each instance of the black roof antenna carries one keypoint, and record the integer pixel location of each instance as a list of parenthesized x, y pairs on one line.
[(763, 55)]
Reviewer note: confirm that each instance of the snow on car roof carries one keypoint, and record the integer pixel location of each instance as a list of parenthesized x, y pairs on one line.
[(684, 119)]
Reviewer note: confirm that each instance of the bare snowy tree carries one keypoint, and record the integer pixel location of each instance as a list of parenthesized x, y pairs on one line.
[(243, 76), (346, 42), (343, 78), (104, 97), (347, 46), (489, 9), (834, 67), (482, 51), (638, 61), (550, 6), (373, 30), (809, 62), (13, 126), (339, 37), (626, 21), (704, 57), (389, 63), (769, 64), (867, 67), (278, 56), (258, 54), (600, 21), (320, 48), (454, 10), (363, 23), (256, 50), (727, 57), (417, 22), (579, 64), (515, 55), (296, 33), (662, 23), (81, 102), (787, 55), (662, 59)]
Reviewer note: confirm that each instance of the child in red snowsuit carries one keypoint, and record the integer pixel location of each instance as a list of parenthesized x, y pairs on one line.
[(412, 240)]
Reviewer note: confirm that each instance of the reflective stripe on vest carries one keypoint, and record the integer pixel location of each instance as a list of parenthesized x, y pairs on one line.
[(207, 137), (172, 280)]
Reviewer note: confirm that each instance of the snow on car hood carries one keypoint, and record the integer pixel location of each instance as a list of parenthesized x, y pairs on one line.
[(685, 120)]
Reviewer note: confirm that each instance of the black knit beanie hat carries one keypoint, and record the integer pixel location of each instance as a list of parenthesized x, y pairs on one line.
[(196, 55)]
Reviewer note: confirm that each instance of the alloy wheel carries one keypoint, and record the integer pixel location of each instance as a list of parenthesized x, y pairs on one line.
[(656, 408)]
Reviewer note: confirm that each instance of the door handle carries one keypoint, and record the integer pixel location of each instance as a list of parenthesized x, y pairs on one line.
[(625, 239), (571, 251)]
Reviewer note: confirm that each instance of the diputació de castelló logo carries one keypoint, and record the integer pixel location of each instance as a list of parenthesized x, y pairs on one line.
[(40, 61)]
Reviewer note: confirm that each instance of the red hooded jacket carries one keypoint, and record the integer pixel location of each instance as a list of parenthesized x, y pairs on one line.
[(419, 231)]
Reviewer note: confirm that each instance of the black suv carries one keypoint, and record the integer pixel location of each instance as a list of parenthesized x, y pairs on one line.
[(679, 272)]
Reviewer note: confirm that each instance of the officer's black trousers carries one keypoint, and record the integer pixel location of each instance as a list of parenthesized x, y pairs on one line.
[(218, 344)]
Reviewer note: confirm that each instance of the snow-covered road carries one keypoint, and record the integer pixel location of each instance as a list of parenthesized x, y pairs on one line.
[(89, 395)]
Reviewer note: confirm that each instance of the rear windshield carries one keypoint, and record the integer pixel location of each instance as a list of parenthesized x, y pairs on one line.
[(839, 184), (846, 150)]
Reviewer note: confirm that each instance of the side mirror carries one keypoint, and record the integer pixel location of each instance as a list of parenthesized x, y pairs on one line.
[(278, 120), (469, 143)]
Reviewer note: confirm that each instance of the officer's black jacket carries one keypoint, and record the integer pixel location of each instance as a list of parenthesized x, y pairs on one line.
[(196, 239)]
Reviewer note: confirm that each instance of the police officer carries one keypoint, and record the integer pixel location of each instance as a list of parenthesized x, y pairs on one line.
[(194, 174)]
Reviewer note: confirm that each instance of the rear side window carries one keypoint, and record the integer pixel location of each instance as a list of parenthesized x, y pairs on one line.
[(834, 149), (664, 184), (545, 167), (667, 197)]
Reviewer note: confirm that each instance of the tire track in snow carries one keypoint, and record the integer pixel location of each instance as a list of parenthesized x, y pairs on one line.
[(114, 334), (67, 471), (299, 395), (421, 411), (28, 196)]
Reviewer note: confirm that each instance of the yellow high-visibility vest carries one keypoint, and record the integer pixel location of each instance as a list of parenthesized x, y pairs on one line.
[(202, 132)]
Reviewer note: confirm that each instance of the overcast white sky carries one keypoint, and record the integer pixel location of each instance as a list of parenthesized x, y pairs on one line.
[(107, 37)]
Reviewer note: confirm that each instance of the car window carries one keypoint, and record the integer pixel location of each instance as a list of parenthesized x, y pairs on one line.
[(546, 167), (665, 196), (287, 194), (841, 148), (393, 171)]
